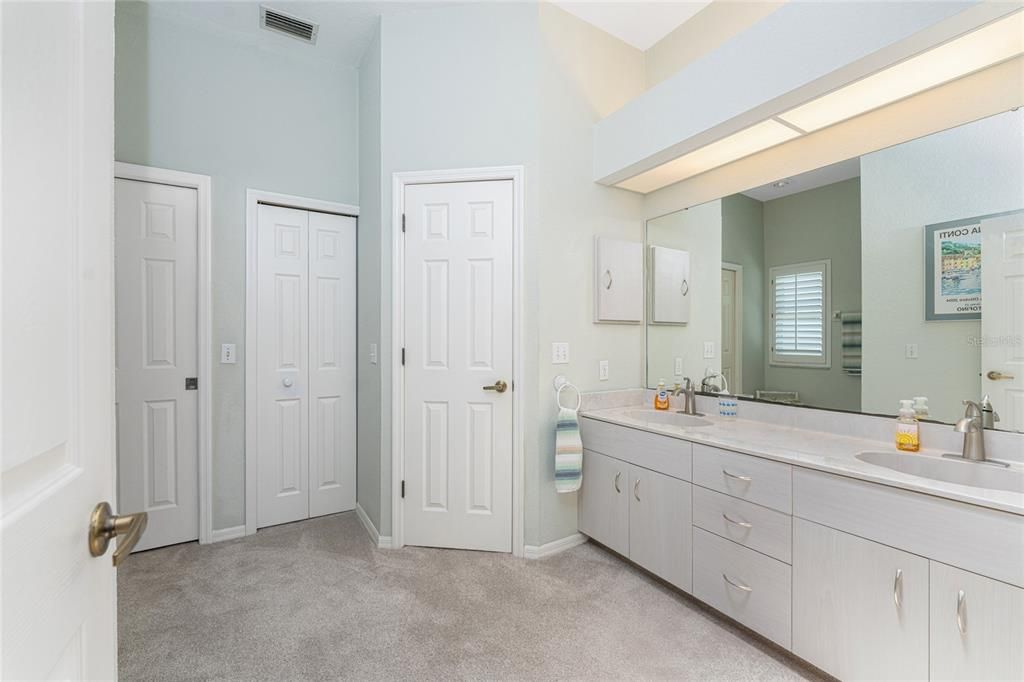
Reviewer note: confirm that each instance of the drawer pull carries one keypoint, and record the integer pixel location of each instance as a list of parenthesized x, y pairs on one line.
[(618, 475), (741, 524), (961, 618), (738, 586), (897, 588), (745, 479), (636, 490)]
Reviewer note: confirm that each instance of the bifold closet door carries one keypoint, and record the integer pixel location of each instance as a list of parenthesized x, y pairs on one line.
[(305, 364)]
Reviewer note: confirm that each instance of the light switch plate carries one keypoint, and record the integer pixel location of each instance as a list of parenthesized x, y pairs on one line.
[(679, 367), (911, 351), (602, 370), (560, 353), (373, 354), (227, 354), (709, 350)]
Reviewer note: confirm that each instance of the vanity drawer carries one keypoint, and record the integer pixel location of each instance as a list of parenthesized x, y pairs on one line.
[(757, 480), (981, 540), (766, 530), (663, 454), (759, 594)]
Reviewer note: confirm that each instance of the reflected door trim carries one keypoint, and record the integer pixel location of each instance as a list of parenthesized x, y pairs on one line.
[(253, 199), (204, 321), (399, 182)]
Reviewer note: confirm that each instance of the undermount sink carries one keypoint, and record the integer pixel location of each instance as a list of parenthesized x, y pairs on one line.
[(962, 472), (669, 418)]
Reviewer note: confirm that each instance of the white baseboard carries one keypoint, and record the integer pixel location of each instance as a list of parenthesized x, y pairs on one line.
[(547, 549), (380, 541), (219, 535)]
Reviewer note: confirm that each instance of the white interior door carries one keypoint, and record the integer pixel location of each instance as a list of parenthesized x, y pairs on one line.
[(332, 368), (458, 340), (58, 613), (1002, 317), (305, 364), (157, 346)]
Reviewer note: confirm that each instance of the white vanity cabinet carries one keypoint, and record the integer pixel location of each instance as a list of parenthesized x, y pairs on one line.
[(860, 609), (863, 580), (604, 501), (976, 626), (659, 525)]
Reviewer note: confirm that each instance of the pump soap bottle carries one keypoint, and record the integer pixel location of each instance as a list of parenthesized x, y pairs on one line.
[(908, 430)]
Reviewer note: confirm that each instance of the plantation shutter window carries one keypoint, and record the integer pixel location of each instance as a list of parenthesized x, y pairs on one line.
[(800, 313)]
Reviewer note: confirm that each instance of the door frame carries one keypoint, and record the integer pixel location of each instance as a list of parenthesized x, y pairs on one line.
[(204, 321), (253, 199), (399, 182), (738, 325)]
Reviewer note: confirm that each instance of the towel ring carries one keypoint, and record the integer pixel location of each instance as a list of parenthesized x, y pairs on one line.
[(558, 396)]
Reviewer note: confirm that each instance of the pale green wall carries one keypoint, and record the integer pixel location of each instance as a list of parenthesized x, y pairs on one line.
[(813, 225), (191, 97), (743, 244), (368, 478), (973, 170), (492, 84)]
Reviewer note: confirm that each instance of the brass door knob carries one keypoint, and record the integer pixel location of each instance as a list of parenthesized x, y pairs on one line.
[(500, 386), (998, 376), (104, 525)]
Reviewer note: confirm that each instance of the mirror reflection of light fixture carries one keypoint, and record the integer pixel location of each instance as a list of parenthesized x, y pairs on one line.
[(986, 46)]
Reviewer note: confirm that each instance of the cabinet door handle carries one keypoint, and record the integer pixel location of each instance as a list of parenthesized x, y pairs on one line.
[(618, 475), (745, 479), (738, 586), (608, 286), (897, 588), (961, 616), (636, 490), (741, 524)]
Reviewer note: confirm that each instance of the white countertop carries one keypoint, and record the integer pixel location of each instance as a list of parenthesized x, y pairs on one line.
[(816, 450)]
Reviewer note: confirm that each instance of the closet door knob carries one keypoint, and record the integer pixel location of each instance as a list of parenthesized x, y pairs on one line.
[(287, 382)]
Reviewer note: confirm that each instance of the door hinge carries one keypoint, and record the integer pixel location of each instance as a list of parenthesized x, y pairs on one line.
[(403, 489), (403, 222), (403, 357)]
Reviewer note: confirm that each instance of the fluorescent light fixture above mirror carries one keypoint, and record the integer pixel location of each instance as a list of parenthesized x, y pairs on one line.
[(985, 47), (749, 141), (989, 45)]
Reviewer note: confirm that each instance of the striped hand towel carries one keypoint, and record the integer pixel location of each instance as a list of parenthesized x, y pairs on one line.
[(851, 330), (568, 452)]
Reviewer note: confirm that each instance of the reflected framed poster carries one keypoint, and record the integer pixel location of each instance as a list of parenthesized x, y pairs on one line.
[(952, 270)]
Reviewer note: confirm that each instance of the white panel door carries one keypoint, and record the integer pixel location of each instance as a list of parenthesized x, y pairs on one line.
[(157, 439), (282, 365), (57, 84), (332, 368), (1002, 317), (458, 340)]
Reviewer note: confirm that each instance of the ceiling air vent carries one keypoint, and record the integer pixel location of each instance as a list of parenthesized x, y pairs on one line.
[(276, 20)]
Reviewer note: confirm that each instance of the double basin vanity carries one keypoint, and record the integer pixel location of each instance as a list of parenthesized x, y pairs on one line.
[(864, 561)]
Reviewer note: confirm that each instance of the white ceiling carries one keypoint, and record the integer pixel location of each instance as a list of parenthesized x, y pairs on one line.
[(819, 177), (639, 23), (346, 26)]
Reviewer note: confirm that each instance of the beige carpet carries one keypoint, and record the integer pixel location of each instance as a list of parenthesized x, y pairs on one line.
[(315, 600)]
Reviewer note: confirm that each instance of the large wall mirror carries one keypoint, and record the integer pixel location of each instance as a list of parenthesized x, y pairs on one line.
[(897, 275)]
